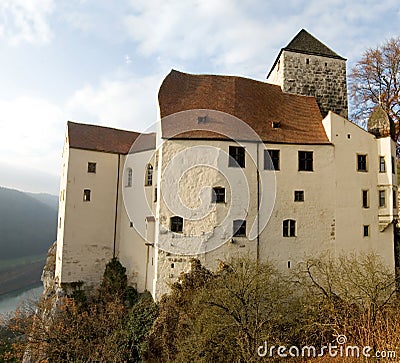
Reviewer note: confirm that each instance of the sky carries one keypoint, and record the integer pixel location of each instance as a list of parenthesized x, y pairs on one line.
[(102, 61)]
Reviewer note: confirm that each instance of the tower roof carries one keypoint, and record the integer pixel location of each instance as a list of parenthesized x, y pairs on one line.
[(304, 42)]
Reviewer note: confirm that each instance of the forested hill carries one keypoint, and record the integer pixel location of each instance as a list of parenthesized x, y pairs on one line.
[(28, 223)]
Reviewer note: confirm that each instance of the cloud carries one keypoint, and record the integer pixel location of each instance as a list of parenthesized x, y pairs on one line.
[(31, 138), (243, 37), (128, 103), (26, 21)]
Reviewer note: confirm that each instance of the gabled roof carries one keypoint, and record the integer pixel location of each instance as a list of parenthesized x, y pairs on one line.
[(305, 43), (99, 138), (258, 104)]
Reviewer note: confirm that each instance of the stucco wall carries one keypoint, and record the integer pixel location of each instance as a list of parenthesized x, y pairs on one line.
[(87, 239)]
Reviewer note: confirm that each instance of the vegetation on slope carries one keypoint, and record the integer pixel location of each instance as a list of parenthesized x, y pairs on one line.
[(220, 316)]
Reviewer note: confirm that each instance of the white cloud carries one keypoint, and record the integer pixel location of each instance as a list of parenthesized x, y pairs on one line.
[(129, 103), (31, 135), (26, 21), (244, 36)]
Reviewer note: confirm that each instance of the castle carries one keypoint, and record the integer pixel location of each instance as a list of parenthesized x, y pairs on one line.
[(273, 170)]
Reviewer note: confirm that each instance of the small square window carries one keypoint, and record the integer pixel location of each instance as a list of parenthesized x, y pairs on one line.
[(299, 195), (365, 199), (382, 164), (91, 168), (366, 231), (276, 124), (239, 228), (305, 161), (218, 195), (382, 198), (361, 162), (271, 159), (236, 156), (201, 119), (86, 195)]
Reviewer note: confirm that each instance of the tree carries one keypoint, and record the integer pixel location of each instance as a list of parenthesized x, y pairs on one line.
[(375, 80)]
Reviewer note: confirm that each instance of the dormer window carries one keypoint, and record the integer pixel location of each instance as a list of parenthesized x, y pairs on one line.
[(201, 119), (276, 124)]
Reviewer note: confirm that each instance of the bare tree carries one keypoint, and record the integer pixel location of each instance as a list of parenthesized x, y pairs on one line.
[(375, 80)]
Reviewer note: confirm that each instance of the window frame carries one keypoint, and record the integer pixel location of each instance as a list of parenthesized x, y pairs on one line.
[(304, 161), (289, 228), (218, 195), (129, 177), (149, 175), (91, 167), (272, 159), (382, 164), (381, 193), (362, 166), (87, 193), (299, 195), (365, 198), (239, 230), (237, 157), (176, 224), (366, 230)]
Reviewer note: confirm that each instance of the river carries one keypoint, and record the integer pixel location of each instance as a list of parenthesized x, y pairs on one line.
[(10, 302)]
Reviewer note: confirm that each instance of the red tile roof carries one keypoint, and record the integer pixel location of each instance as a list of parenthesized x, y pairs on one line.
[(99, 138), (258, 104)]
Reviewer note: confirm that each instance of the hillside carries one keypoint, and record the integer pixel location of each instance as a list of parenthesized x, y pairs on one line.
[(27, 225)]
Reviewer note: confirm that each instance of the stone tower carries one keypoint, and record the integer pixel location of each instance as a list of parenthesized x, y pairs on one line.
[(308, 67)]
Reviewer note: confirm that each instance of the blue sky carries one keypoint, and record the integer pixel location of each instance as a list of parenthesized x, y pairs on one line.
[(102, 61)]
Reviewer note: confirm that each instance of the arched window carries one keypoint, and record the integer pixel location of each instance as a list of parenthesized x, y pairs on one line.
[(176, 224), (149, 175), (289, 228), (129, 174)]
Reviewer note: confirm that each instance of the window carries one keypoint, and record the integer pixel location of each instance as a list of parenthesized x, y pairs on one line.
[(361, 162), (276, 124), (149, 175), (288, 264), (365, 199), (218, 195), (201, 119), (271, 159), (155, 194), (382, 164), (239, 228), (393, 166), (299, 195), (176, 224), (131, 224), (289, 228), (86, 195), (91, 168), (307, 61), (366, 231), (129, 174), (394, 199), (236, 156), (305, 161), (382, 198)]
